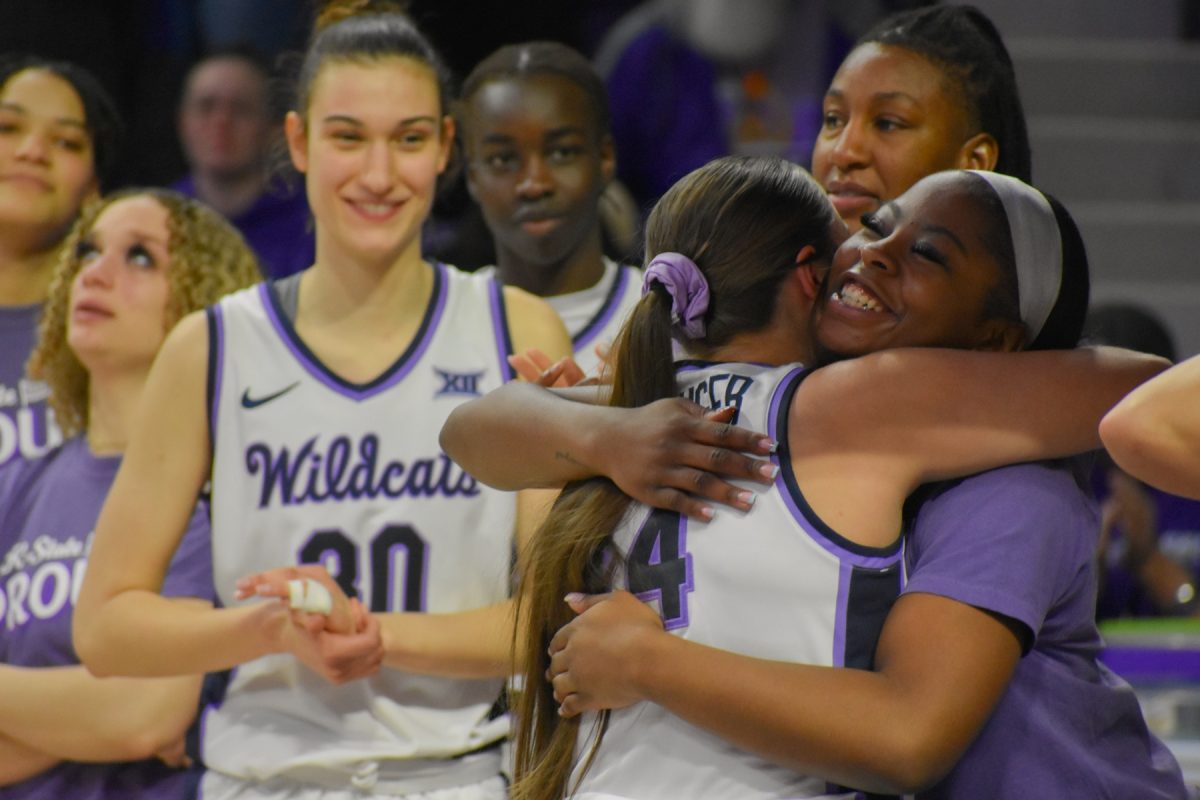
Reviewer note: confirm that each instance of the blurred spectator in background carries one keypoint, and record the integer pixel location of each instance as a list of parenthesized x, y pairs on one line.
[(228, 130), (1150, 540)]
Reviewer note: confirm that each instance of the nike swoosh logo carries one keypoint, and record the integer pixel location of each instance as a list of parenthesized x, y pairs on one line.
[(255, 402)]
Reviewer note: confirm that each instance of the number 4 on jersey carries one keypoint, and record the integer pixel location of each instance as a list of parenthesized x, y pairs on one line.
[(660, 568)]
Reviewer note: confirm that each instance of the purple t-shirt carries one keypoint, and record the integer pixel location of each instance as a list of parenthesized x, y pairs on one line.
[(276, 227), (48, 509), (27, 428), (1020, 541)]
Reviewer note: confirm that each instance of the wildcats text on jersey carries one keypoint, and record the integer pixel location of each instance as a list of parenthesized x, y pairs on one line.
[(343, 472)]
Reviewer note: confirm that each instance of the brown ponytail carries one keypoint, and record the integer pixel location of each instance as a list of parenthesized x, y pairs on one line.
[(742, 221)]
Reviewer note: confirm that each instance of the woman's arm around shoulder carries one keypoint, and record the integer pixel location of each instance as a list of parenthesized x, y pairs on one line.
[(947, 413), (940, 668), (1154, 433)]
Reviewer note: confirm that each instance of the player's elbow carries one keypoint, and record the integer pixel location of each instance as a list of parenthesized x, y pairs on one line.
[(1139, 443), (1121, 430), (154, 728), (911, 760), (89, 644)]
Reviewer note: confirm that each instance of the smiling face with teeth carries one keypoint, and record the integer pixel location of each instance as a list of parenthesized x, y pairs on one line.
[(922, 273), (371, 146)]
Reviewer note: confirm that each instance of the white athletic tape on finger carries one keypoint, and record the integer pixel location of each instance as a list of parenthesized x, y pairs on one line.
[(307, 594)]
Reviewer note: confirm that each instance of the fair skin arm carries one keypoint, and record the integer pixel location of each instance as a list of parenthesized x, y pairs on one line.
[(68, 714), (1154, 433), (20, 763), (122, 625), (940, 668)]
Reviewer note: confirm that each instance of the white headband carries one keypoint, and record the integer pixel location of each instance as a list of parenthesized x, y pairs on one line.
[(1037, 247)]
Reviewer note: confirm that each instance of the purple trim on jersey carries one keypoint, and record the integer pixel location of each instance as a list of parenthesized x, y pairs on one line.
[(608, 310), (845, 573), (392, 375), (504, 345), (836, 544), (216, 369)]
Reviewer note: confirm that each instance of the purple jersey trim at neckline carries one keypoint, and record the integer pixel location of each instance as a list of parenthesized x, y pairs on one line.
[(392, 375)]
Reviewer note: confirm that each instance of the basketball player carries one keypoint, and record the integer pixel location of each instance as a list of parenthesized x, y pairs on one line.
[(314, 405), (535, 127)]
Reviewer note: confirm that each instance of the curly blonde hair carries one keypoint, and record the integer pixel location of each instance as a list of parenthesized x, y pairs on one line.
[(209, 259)]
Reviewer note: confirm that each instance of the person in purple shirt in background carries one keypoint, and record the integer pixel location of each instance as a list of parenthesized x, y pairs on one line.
[(59, 137), (227, 128), (134, 265)]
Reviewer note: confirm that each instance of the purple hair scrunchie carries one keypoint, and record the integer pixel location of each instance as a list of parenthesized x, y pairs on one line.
[(687, 287)]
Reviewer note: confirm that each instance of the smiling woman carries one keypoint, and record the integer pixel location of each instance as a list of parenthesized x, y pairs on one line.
[(313, 404), (893, 275), (59, 134)]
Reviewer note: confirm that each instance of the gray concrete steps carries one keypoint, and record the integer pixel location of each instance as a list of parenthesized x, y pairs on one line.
[(1155, 241), (1147, 253), (1116, 159), (1102, 19), (1124, 79)]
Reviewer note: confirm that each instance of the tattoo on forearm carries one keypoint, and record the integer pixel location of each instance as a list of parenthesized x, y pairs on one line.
[(563, 455)]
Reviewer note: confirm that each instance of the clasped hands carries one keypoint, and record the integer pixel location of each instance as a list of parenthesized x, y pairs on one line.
[(342, 645)]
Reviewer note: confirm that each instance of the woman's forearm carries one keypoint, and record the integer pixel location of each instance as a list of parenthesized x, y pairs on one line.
[(522, 436), (138, 633), (894, 730), (467, 644), (19, 762), (852, 727), (67, 713)]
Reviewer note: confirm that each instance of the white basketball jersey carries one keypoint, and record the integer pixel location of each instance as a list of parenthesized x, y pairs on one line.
[(596, 315), (774, 583), (308, 468)]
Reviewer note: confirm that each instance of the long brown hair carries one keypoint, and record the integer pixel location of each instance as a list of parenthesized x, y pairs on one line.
[(742, 221)]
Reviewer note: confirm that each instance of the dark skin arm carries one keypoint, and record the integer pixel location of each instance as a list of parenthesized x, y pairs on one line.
[(941, 667), (664, 454)]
